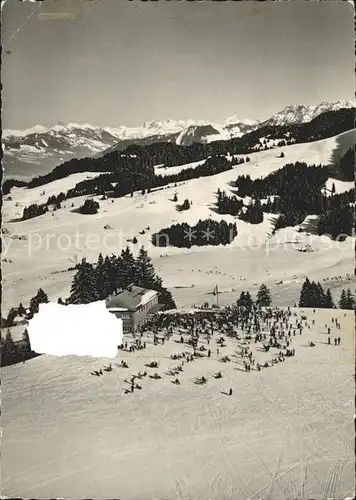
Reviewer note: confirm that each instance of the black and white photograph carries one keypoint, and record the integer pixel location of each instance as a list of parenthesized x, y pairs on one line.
[(178, 247)]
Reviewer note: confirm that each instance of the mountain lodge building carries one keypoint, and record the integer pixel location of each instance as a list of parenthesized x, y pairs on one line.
[(133, 305)]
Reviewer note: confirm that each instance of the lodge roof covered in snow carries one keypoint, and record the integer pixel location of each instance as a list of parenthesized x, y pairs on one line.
[(130, 299)]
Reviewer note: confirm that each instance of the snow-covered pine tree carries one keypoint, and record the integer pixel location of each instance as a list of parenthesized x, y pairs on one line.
[(165, 297), (27, 344), (316, 298), (21, 311), (126, 270), (350, 302), (111, 266), (145, 272), (342, 301), (248, 301), (263, 296), (321, 297), (42, 297), (11, 317), (305, 293), (245, 300), (9, 350), (83, 289), (102, 278), (329, 303), (241, 300)]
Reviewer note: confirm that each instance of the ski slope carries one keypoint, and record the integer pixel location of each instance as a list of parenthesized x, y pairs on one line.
[(56, 241), (22, 197), (285, 433)]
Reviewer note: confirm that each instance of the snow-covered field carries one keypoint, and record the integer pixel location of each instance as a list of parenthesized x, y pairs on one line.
[(55, 241), (340, 186), (285, 433)]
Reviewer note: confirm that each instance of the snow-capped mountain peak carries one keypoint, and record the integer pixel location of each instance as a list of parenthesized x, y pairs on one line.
[(303, 113)]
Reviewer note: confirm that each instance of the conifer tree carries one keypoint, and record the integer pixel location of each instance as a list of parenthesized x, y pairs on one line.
[(342, 301), (350, 302), (145, 272), (11, 317), (21, 311), (102, 278), (40, 298), (263, 296), (9, 348), (304, 298), (241, 300), (248, 301), (321, 297), (111, 266), (165, 297), (84, 288), (90, 206), (27, 344), (245, 300), (126, 270), (312, 295)]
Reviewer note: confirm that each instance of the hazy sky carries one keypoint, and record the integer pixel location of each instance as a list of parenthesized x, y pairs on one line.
[(124, 62)]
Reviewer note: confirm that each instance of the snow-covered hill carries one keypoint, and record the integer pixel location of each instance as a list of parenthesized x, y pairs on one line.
[(285, 433)]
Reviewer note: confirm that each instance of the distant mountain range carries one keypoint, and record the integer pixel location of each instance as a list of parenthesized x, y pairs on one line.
[(39, 149)]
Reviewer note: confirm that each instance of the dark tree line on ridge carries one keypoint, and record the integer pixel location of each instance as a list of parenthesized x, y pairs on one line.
[(205, 232)]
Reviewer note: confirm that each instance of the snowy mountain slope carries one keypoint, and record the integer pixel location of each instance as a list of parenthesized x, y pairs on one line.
[(128, 216), (24, 197), (296, 113), (38, 150), (201, 133)]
